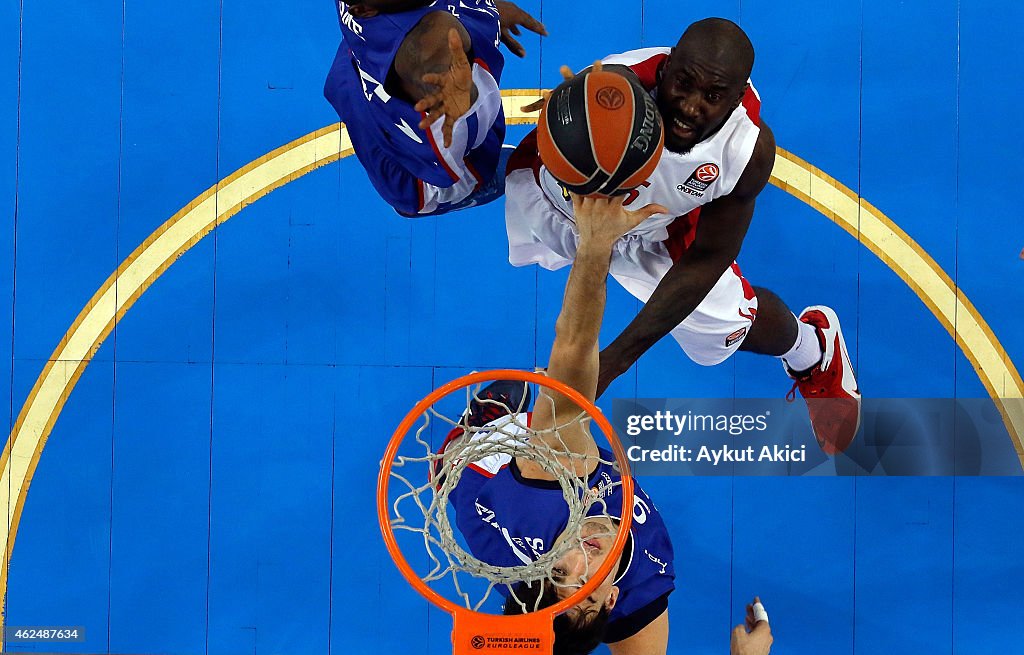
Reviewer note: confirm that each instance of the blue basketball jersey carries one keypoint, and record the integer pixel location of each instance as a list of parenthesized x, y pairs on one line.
[(410, 167), (509, 520)]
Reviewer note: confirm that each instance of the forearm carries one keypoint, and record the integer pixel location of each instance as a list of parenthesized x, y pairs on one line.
[(585, 296), (685, 285), (574, 353)]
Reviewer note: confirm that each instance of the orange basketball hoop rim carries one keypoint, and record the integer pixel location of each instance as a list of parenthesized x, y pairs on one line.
[(476, 632)]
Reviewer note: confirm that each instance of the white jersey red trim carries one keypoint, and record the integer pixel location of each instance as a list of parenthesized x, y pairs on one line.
[(681, 182), (511, 427), (542, 230)]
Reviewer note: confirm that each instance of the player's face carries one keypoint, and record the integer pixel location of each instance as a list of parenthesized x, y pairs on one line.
[(695, 96), (578, 565)]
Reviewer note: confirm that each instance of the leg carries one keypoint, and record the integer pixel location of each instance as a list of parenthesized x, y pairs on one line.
[(775, 330), (715, 329), (819, 364)]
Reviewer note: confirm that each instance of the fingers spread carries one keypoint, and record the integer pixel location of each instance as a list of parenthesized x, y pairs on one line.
[(431, 108), (428, 103), (566, 72), (513, 46), (427, 121), (534, 25), (514, 29), (586, 206), (435, 79)]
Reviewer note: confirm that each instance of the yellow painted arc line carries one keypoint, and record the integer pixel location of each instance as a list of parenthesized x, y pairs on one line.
[(289, 162), (120, 291), (919, 271)]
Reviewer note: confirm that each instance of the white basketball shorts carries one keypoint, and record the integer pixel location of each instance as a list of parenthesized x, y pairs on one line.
[(539, 233)]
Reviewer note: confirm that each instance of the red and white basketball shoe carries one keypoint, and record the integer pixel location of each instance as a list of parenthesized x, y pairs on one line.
[(830, 388)]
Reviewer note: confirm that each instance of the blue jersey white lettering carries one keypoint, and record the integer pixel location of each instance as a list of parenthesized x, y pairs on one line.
[(410, 168), (508, 520)]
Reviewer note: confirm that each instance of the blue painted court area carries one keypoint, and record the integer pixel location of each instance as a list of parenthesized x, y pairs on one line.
[(208, 486)]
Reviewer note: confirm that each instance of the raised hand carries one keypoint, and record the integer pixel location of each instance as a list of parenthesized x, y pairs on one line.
[(754, 637), (454, 94), (601, 221), (512, 17)]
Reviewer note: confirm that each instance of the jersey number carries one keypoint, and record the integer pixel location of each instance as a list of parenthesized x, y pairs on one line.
[(634, 194), (640, 510)]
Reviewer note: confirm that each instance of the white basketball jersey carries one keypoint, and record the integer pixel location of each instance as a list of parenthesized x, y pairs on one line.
[(680, 182)]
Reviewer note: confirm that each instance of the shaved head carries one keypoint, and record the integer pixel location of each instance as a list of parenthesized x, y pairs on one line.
[(722, 41), (703, 81)]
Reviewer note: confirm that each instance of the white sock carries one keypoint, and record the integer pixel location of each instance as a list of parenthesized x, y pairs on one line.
[(806, 352)]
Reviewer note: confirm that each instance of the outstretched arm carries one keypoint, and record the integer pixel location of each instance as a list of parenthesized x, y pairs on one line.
[(723, 225), (575, 354)]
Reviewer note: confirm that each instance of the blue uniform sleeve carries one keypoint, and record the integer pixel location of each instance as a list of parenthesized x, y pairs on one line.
[(406, 165)]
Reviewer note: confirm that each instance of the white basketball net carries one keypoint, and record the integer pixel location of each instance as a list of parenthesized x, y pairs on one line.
[(506, 436)]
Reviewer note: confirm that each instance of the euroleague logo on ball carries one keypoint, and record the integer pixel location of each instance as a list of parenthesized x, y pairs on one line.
[(707, 173), (478, 642), (610, 98)]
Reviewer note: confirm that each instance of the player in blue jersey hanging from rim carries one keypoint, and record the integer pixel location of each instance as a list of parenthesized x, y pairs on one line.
[(416, 84), (510, 510)]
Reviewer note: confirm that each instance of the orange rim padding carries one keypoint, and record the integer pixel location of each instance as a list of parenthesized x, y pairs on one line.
[(476, 632)]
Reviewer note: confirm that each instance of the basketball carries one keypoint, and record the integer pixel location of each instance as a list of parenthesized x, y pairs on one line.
[(600, 133)]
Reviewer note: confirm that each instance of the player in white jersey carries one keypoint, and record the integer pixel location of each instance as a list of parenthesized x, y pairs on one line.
[(512, 490), (681, 264)]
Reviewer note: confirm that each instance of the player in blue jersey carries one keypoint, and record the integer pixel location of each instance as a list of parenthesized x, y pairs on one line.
[(416, 84), (511, 511)]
